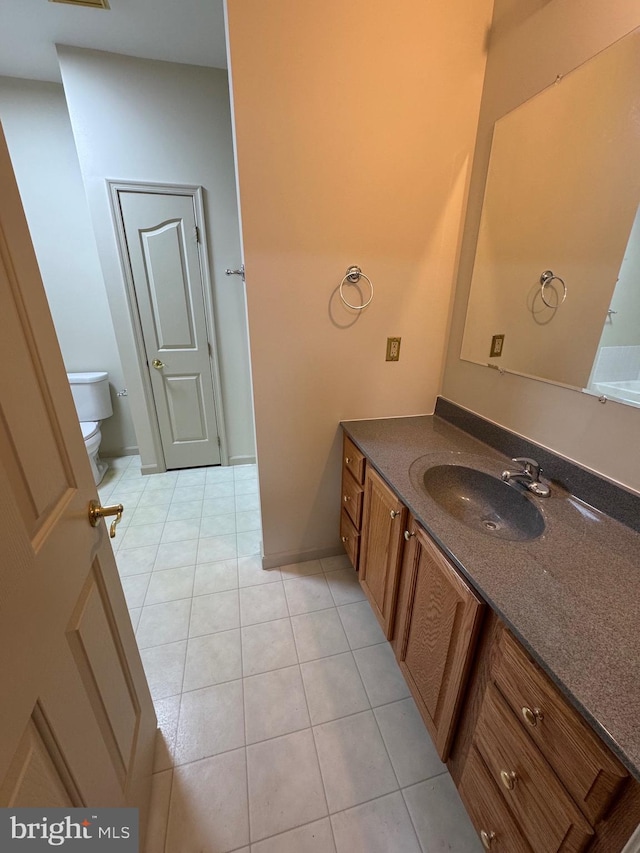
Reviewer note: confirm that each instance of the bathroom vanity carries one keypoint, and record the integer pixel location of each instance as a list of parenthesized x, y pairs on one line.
[(515, 629)]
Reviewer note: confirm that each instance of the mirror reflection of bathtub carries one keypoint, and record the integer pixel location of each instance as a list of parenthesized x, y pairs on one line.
[(626, 391)]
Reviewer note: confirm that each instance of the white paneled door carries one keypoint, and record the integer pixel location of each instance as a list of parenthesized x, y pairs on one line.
[(77, 722), (170, 291)]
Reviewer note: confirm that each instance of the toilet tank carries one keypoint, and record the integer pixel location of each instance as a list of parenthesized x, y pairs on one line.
[(91, 395)]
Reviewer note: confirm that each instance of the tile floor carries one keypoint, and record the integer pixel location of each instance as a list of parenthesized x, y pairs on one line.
[(286, 726)]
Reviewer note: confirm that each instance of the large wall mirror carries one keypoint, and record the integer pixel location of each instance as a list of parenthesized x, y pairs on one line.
[(562, 200)]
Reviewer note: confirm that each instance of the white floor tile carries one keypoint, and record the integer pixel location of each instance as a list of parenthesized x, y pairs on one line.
[(262, 603), (184, 510), (195, 477), (246, 487), (164, 668), (285, 788), (187, 493), (345, 587), (408, 743), (245, 472), (333, 688), (319, 634), (209, 810), (135, 589), (315, 837), (167, 711), (439, 817), (218, 506), (214, 548), (332, 564), (213, 659), (249, 543), (147, 515), (215, 577), (274, 704), (307, 594), (244, 503), (381, 674), (299, 570), (134, 613), (156, 497), (175, 554), (219, 490), (178, 531), (170, 585), (267, 646), (163, 623), (141, 535), (379, 826), (136, 561), (360, 625), (248, 520), (354, 762), (218, 525), (216, 612), (251, 573), (211, 721), (219, 474)]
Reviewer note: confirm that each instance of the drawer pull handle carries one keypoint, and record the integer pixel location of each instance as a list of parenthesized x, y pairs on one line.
[(532, 716), (394, 513), (347, 499), (487, 839), (345, 538), (408, 535), (508, 779), (347, 460)]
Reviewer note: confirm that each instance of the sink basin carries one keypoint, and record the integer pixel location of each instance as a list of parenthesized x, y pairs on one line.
[(483, 502)]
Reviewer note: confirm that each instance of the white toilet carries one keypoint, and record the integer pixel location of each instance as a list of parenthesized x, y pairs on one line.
[(93, 404)]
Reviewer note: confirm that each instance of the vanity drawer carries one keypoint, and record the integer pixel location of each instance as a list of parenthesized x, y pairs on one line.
[(350, 538), (591, 774), (353, 460), (352, 493), (546, 814), (498, 831)]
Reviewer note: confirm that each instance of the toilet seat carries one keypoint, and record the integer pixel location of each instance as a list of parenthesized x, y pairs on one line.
[(89, 429)]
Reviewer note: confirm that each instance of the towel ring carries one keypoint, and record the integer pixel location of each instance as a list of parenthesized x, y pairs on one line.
[(353, 275), (546, 278)]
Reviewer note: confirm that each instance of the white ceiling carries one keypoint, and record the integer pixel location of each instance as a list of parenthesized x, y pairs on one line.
[(190, 31)]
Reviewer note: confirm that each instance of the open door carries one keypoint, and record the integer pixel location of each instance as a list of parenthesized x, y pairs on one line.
[(78, 724)]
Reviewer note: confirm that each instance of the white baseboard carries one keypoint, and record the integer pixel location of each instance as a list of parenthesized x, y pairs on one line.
[(152, 469), (285, 558), (242, 460)]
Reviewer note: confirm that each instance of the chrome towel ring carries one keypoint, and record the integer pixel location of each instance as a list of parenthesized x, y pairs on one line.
[(545, 279), (353, 276)]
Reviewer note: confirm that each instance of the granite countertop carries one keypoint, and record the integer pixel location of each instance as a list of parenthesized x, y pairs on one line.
[(572, 595)]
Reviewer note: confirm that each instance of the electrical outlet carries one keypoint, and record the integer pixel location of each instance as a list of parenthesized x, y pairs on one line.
[(393, 349), (497, 342)]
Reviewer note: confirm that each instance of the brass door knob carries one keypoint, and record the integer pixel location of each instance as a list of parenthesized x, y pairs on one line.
[(532, 716), (157, 364), (487, 839), (96, 512), (508, 778)]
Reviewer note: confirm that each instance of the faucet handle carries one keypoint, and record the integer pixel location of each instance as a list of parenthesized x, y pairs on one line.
[(531, 467)]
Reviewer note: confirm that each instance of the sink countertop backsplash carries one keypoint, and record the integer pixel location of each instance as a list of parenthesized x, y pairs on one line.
[(572, 594)]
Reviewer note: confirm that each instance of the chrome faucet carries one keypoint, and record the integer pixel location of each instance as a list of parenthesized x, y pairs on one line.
[(529, 476)]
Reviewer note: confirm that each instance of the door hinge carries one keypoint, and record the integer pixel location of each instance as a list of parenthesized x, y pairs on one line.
[(196, 233)]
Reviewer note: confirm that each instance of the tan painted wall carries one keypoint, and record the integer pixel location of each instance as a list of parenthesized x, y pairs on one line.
[(354, 124), (531, 43)]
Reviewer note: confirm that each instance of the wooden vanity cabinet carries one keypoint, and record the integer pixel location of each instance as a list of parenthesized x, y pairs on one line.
[(533, 775), (383, 527), (353, 473), (439, 617)]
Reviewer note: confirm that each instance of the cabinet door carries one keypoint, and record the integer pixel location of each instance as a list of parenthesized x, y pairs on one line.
[(439, 618), (381, 549)]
